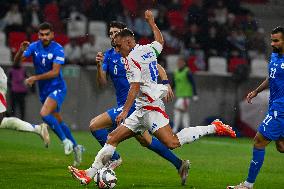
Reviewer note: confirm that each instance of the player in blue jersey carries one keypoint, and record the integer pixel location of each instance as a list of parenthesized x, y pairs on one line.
[(111, 64), (272, 127), (48, 57)]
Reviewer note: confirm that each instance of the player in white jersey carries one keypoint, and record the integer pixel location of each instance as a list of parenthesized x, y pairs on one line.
[(16, 123), (141, 65)]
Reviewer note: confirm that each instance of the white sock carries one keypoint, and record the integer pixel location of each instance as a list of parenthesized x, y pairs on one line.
[(185, 120), (248, 184), (177, 117), (17, 124), (191, 134), (105, 153)]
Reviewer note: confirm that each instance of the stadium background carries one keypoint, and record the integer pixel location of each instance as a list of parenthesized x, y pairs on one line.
[(226, 66)]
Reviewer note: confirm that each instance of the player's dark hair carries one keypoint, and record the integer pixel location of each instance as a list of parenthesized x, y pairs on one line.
[(45, 26), (278, 29), (116, 24), (125, 33)]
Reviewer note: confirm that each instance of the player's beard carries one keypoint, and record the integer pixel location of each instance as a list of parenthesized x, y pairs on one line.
[(276, 50)]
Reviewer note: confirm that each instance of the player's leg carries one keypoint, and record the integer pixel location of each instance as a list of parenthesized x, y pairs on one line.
[(98, 127), (155, 145), (115, 137), (47, 116), (267, 131), (280, 145), (177, 115)]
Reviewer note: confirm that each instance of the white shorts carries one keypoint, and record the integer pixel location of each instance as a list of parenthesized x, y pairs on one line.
[(3, 91), (182, 103), (152, 119)]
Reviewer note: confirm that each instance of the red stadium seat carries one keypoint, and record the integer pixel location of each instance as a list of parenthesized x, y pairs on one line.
[(234, 62), (176, 20), (62, 39), (15, 39)]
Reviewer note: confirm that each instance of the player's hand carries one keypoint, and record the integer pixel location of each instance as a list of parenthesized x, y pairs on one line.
[(121, 117), (99, 57), (149, 16), (251, 95), (24, 45), (30, 81), (170, 95)]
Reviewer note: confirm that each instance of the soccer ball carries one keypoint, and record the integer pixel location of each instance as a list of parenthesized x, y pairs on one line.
[(105, 178)]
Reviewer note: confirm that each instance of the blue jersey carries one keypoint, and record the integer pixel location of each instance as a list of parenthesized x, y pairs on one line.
[(43, 59), (114, 67), (276, 82)]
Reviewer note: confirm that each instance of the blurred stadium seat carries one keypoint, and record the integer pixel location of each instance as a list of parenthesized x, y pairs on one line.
[(2, 39), (171, 63), (76, 28), (15, 39), (98, 28), (258, 68), (5, 55), (217, 65)]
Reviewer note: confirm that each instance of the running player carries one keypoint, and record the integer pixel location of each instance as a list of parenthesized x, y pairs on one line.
[(272, 127), (140, 63), (48, 56), (114, 67), (16, 123)]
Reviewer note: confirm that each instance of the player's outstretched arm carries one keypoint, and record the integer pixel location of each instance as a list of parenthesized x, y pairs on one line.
[(156, 31), (164, 77), (101, 75), (264, 85), (48, 75), (19, 55)]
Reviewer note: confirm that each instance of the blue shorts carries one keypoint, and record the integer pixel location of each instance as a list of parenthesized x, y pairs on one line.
[(114, 112), (272, 127), (57, 95)]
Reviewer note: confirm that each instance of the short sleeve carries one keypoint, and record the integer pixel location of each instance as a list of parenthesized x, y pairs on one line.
[(105, 62), (29, 51), (157, 47), (59, 56), (135, 74)]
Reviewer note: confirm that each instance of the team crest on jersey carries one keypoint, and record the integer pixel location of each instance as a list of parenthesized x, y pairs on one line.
[(49, 56), (282, 65)]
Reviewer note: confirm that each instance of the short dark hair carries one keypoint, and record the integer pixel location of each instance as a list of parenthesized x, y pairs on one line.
[(125, 33), (116, 24), (45, 26), (278, 29)]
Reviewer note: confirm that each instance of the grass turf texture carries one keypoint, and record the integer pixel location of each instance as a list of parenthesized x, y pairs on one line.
[(216, 163)]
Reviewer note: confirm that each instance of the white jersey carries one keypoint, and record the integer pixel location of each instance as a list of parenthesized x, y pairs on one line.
[(141, 66), (3, 91)]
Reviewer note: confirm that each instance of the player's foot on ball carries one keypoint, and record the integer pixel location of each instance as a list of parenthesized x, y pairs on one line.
[(80, 175), (183, 171), (44, 134), (113, 164), (222, 129), (240, 186), (78, 153), (68, 146)]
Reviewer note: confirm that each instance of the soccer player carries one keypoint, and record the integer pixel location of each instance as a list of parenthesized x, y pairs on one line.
[(15, 123), (114, 67), (272, 127), (48, 56), (141, 62)]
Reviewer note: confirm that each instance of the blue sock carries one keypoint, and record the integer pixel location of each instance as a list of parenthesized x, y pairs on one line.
[(68, 133), (256, 163), (101, 136), (54, 125), (164, 152)]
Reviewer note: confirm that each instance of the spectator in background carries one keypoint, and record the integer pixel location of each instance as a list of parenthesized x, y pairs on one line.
[(18, 90), (13, 20), (193, 41), (72, 52), (185, 89), (162, 20), (89, 51), (141, 28), (32, 16)]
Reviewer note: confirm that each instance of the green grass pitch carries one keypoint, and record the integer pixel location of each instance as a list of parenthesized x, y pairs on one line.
[(216, 162)]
